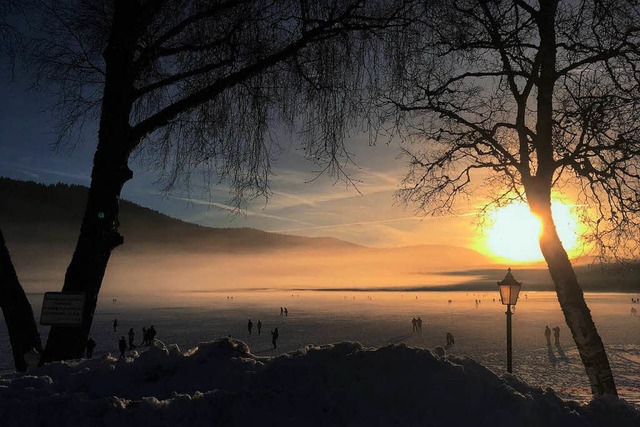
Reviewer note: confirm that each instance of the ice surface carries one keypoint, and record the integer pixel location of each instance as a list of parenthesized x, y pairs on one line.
[(229, 380)]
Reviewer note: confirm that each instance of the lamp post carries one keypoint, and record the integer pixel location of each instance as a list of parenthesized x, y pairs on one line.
[(509, 289)]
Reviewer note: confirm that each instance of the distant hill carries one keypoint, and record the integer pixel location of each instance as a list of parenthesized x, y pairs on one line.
[(41, 224), (36, 213)]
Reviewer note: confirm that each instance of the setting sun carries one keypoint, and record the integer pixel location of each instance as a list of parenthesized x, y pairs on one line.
[(514, 231)]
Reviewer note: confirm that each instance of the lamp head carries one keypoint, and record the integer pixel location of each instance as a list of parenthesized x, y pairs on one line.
[(509, 289)]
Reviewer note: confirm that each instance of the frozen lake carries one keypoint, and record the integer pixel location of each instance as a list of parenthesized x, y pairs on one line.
[(381, 318)]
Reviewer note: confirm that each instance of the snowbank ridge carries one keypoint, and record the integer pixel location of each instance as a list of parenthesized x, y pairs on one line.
[(222, 383)]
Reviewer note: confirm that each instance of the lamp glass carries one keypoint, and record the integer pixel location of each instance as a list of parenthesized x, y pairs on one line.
[(509, 293)]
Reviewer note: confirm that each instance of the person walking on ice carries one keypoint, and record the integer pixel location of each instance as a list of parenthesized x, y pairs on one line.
[(91, 344), (274, 338), (450, 340), (250, 326), (131, 337), (547, 335), (556, 336), (152, 335), (259, 326), (122, 344)]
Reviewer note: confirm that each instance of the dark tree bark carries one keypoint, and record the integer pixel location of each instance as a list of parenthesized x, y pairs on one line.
[(99, 234), (538, 191), (17, 311), (571, 298)]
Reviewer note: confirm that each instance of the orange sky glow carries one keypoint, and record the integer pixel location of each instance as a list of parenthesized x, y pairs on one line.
[(512, 232)]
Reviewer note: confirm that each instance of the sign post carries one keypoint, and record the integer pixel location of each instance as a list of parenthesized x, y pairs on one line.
[(62, 309)]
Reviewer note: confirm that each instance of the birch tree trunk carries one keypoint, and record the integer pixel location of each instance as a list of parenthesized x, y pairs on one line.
[(538, 190), (571, 298)]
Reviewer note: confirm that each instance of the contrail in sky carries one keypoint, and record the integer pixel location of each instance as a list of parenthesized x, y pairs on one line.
[(380, 221), (244, 211)]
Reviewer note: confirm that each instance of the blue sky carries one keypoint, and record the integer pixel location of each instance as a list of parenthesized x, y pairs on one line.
[(301, 203)]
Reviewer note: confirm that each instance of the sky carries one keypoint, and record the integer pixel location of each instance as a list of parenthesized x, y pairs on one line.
[(301, 203)]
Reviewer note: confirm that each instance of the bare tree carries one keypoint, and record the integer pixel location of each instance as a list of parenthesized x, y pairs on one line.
[(8, 33), (16, 309), (189, 85), (526, 97)]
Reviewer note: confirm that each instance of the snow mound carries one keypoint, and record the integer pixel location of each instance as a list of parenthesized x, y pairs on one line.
[(223, 383)]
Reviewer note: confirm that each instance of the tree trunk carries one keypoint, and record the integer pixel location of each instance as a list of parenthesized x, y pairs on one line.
[(18, 315), (571, 299), (538, 191), (99, 231), (98, 237)]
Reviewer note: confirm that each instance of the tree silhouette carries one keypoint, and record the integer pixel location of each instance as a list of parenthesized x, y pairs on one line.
[(16, 309), (189, 85), (527, 97)]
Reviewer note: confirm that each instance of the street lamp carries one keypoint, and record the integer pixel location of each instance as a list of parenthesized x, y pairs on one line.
[(509, 289)]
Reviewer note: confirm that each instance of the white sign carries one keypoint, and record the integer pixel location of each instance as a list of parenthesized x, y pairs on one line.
[(62, 308)]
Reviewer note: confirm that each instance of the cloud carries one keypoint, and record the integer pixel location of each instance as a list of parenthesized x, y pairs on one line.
[(293, 191), (246, 212), (350, 224), (380, 221), (38, 172), (29, 174)]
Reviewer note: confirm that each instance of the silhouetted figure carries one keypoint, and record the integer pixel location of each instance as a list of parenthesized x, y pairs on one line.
[(556, 336), (122, 345), (274, 338), (634, 312), (281, 311), (450, 340), (259, 326), (31, 359), (152, 334), (414, 324), (250, 326), (145, 336), (547, 335), (286, 312), (131, 335), (91, 344), (419, 324), (115, 325)]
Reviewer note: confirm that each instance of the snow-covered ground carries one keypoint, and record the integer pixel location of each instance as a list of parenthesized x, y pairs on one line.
[(375, 319)]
